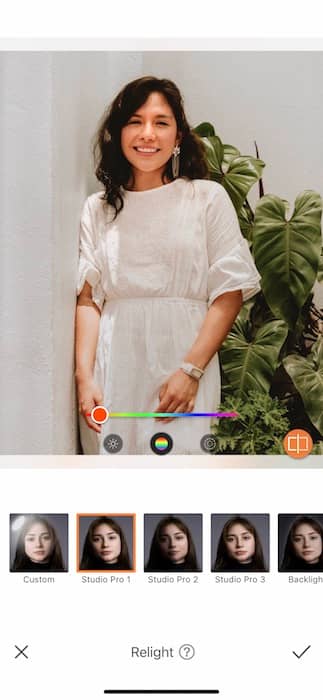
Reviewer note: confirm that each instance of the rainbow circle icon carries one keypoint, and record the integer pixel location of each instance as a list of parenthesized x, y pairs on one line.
[(161, 443)]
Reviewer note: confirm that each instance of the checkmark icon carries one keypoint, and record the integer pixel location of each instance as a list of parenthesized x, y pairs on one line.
[(299, 656)]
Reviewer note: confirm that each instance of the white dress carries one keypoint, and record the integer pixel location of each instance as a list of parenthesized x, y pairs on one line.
[(154, 271)]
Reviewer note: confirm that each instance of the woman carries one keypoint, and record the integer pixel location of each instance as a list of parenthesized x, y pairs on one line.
[(38, 547), (163, 269), (172, 547), (105, 547), (304, 546), (239, 547)]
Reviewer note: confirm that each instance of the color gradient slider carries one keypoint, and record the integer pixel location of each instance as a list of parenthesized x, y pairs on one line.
[(100, 415)]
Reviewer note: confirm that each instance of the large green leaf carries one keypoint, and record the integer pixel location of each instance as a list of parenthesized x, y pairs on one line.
[(229, 152), (246, 220), (287, 251), (214, 154), (307, 376), (242, 174), (235, 172), (249, 362), (204, 129), (320, 269)]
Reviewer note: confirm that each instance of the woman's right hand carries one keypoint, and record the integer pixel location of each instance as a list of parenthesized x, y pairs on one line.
[(89, 395)]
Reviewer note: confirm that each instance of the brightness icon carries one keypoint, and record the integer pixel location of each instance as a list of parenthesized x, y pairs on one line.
[(113, 443)]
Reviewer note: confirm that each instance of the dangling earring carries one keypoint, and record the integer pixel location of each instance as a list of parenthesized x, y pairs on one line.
[(175, 161)]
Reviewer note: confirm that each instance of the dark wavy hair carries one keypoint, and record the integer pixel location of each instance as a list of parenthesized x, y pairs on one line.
[(22, 561), (90, 560), (223, 560), (291, 562), (112, 168), (157, 561)]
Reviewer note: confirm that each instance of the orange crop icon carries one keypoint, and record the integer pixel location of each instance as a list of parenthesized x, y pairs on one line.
[(298, 443)]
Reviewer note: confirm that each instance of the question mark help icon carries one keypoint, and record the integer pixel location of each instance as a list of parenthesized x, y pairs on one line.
[(186, 651)]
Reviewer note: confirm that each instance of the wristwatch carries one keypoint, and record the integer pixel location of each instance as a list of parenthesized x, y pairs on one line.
[(191, 370)]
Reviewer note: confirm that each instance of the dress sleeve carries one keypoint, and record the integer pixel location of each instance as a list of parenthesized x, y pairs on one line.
[(89, 266), (231, 266)]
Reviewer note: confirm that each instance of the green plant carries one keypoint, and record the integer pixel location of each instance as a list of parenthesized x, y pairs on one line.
[(307, 375), (317, 448), (259, 428), (276, 344)]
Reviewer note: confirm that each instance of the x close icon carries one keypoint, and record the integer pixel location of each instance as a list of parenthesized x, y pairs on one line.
[(21, 652)]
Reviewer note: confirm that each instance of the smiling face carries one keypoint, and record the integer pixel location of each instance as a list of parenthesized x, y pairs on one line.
[(148, 140), (173, 543), (307, 543), (240, 543), (38, 543), (106, 543)]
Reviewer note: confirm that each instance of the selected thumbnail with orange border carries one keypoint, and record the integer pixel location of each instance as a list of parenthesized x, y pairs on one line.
[(106, 542)]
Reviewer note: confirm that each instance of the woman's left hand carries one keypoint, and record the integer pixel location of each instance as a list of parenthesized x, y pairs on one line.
[(177, 395)]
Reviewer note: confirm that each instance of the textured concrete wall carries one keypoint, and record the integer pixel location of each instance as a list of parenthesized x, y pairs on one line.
[(26, 255), (50, 107)]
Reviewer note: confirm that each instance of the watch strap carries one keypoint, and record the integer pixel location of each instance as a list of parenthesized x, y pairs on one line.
[(192, 370)]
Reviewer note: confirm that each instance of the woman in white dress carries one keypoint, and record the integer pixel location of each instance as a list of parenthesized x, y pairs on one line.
[(163, 272)]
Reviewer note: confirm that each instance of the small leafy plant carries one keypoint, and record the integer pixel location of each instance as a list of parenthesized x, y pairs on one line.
[(259, 428)]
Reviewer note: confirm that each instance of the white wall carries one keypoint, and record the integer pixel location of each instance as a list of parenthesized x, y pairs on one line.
[(50, 106), (26, 255)]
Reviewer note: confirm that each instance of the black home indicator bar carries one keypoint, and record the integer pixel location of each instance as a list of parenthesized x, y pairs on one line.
[(175, 691)]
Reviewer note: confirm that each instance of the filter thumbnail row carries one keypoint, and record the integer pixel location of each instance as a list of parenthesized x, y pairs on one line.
[(171, 542)]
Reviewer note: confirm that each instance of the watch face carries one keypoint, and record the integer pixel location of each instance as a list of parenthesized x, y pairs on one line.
[(191, 371)]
